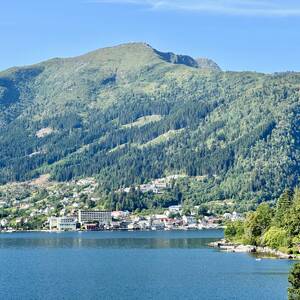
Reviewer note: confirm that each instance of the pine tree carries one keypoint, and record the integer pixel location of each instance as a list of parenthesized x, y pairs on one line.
[(294, 280)]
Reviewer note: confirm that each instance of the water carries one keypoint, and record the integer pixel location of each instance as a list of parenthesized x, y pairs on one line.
[(133, 265)]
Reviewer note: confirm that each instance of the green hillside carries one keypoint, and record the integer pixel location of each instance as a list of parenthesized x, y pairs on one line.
[(130, 113)]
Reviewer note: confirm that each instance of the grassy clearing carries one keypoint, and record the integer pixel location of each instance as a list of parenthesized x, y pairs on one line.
[(143, 121), (162, 138)]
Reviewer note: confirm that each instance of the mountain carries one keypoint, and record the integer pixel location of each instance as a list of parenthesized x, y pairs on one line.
[(130, 113)]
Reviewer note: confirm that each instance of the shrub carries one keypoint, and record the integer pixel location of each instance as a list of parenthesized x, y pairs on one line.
[(275, 237)]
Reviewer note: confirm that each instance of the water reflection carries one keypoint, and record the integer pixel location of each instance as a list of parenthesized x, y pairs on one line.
[(128, 243), (106, 239)]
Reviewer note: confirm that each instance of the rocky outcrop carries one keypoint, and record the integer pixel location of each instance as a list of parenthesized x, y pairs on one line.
[(227, 246)]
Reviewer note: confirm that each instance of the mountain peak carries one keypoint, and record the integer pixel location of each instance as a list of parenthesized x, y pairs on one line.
[(206, 63), (141, 52)]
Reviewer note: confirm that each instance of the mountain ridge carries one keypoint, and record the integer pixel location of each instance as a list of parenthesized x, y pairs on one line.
[(166, 56), (74, 117)]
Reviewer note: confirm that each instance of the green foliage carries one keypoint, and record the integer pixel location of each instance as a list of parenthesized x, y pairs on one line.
[(257, 223), (264, 226), (282, 206), (275, 238), (135, 199), (239, 131), (294, 280), (292, 219), (234, 230)]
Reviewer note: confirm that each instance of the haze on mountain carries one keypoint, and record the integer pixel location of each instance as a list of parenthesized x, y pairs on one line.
[(130, 113)]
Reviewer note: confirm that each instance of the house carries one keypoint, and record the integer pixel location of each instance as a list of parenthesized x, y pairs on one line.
[(2, 203), (157, 225), (91, 226), (19, 220), (133, 226), (170, 223), (126, 190), (189, 220), (3, 223), (161, 218), (120, 214), (24, 205), (115, 225), (236, 216), (144, 224), (124, 225), (147, 188), (175, 208), (227, 216)]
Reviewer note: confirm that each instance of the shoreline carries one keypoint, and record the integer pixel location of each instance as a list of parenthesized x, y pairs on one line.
[(263, 252), (114, 230)]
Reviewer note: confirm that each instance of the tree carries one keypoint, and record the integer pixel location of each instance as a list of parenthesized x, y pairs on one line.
[(234, 230), (292, 221), (275, 238), (257, 223), (177, 194), (283, 205), (294, 280), (187, 208)]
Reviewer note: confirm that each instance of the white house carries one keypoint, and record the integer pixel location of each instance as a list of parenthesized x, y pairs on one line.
[(189, 220), (3, 222)]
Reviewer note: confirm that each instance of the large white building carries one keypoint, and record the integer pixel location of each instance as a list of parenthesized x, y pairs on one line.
[(62, 223), (87, 216)]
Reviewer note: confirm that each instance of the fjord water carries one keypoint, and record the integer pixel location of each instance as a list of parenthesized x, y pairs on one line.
[(133, 265)]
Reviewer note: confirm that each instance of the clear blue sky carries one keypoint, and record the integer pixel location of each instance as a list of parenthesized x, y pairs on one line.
[(258, 35)]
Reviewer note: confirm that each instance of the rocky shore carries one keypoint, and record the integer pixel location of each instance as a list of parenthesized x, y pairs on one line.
[(227, 246)]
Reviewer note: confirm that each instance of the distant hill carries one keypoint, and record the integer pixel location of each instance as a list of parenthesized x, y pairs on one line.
[(130, 113)]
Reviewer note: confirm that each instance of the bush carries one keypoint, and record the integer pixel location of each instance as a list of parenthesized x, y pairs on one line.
[(275, 237), (234, 230)]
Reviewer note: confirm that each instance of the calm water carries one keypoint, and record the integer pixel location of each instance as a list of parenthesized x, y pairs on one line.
[(133, 265)]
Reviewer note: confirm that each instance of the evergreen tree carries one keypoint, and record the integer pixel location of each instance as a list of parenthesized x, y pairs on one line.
[(294, 280)]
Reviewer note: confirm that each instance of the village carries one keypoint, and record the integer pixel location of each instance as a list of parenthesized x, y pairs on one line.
[(74, 206), (95, 220)]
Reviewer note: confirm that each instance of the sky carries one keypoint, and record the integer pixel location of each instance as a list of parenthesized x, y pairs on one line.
[(254, 35)]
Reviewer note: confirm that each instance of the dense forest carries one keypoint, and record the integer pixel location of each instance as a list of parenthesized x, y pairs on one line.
[(129, 114), (276, 226)]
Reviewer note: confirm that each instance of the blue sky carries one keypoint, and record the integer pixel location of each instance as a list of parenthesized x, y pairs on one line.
[(256, 35)]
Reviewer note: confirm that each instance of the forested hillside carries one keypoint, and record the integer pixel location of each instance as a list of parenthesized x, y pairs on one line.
[(130, 113)]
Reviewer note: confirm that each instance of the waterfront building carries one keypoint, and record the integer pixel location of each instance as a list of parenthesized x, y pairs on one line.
[(90, 216), (133, 226), (189, 220), (62, 223), (52, 222), (91, 226), (144, 224), (161, 217), (157, 225), (66, 223)]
